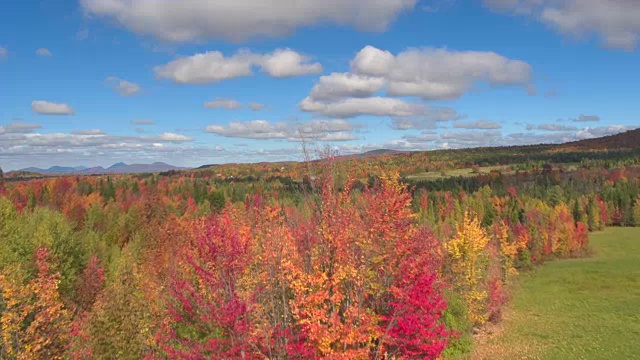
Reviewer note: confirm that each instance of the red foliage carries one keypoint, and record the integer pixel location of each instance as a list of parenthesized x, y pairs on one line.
[(91, 283), (207, 318), (414, 327)]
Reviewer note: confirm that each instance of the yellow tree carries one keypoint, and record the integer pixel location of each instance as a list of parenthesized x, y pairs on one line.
[(468, 254), (35, 323)]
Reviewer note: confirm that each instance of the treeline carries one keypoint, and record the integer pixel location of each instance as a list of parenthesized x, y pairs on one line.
[(185, 266)]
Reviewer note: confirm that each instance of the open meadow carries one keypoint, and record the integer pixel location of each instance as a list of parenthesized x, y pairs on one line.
[(576, 308)]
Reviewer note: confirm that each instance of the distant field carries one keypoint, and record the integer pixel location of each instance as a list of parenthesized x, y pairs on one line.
[(575, 309), (469, 172), (465, 172)]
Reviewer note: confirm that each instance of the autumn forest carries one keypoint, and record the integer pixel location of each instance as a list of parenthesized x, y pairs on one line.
[(393, 255)]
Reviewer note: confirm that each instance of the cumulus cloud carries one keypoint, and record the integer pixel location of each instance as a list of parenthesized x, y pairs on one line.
[(424, 137), (481, 125), (470, 139), (465, 139), (551, 127), (35, 149), (381, 106), (412, 122), (88, 132), (284, 63), (427, 120), (50, 108), (43, 52), (617, 22), (143, 122), (206, 68), (124, 87), (19, 150), (430, 74), (586, 118), (343, 85), (320, 130), (589, 133), (352, 107), (18, 128), (224, 103), (257, 106), (439, 74), (239, 20), (168, 137), (213, 66)]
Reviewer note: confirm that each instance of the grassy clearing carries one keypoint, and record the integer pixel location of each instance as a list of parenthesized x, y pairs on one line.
[(465, 172), (575, 309)]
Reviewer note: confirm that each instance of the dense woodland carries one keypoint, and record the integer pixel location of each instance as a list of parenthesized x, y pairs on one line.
[(344, 258)]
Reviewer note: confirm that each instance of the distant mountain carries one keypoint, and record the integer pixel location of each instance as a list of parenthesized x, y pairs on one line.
[(118, 168), (54, 169), (119, 165)]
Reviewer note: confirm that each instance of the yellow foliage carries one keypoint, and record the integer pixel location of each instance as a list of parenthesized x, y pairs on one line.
[(508, 249), (468, 253)]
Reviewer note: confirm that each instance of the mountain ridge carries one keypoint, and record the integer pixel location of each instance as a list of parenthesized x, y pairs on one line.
[(117, 168)]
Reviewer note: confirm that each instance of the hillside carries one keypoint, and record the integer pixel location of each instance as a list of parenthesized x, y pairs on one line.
[(626, 140)]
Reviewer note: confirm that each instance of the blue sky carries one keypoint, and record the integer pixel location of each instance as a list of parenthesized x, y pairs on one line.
[(93, 82)]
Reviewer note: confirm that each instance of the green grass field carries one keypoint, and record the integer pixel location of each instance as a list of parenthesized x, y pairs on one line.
[(575, 309)]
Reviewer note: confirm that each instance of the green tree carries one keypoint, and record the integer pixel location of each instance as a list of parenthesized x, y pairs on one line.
[(217, 200)]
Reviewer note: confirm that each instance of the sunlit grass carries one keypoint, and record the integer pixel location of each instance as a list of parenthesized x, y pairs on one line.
[(575, 309)]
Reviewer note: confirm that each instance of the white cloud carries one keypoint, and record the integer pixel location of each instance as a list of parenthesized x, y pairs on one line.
[(352, 107), (18, 128), (169, 137), (124, 87), (431, 74), (481, 124), (257, 106), (88, 132), (337, 136), (206, 68), (413, 122), (79, 141), (213, 66), (586, 118), (50, 108), (589, 133), (344, 85), (284, 63), (424, 137), (470, 139), (440, 74), (224, 103), (427, 120), (320, 130), (552, 127), (239, 20), (43, 52), (3, 52), (143, 122), (617, 22)]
